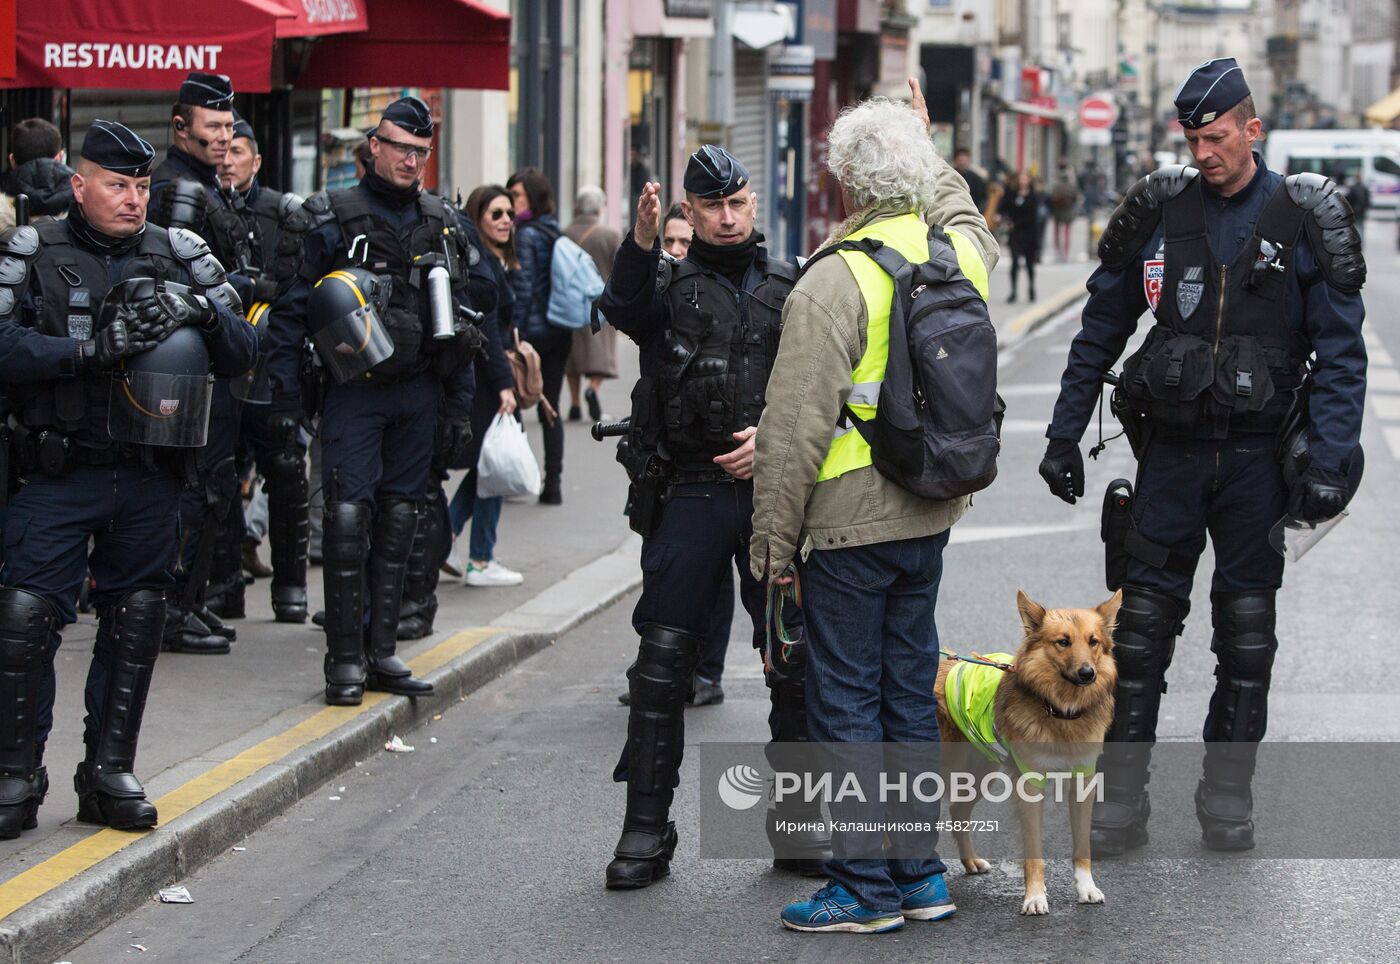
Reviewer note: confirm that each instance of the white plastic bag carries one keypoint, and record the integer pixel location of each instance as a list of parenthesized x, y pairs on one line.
[(507, 467)]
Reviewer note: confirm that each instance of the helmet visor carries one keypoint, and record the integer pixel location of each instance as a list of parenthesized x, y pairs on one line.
[(151, 408), (254, 387), (1292, 539), (353, 344)]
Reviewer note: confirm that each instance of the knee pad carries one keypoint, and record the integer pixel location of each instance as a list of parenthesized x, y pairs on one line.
[(1145, 636), (1244, 642), (138, 621), (345, 532), (666, 658), (395, 522)]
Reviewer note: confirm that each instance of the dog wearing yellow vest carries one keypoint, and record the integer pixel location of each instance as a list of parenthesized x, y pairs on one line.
[(1044, 710)]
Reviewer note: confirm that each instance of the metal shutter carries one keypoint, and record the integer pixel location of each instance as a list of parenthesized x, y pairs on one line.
[(748, 136)]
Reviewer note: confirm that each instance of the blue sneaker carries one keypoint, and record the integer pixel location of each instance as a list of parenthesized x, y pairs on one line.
[(926, 899), (834, 909)]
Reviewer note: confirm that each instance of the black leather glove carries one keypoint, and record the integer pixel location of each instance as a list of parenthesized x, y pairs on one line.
[(264, 290), (1324, 495), (1063, 469), (108, 347), (161, 314), (284, 420), (454, 435)]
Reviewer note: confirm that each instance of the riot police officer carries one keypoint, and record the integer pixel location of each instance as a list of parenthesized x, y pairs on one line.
[(364, 291), (1254, 280), (109, 327), (262, 212), (186, 193), (708, 331)]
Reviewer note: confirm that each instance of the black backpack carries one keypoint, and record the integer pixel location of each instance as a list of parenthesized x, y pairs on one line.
[(937, 427)]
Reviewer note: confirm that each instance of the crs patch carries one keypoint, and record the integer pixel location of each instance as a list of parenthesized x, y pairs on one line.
[(1153, 272)]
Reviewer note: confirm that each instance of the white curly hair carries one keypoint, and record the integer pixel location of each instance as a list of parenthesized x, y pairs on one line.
[(882, 156)]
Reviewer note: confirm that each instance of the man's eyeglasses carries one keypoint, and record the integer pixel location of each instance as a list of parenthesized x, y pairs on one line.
[(406, 149), (497, 213)]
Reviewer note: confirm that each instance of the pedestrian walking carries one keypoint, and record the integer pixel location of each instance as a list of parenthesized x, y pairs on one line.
[(379, 245), (1254, 280), (1064, 205), (1024, 206), (536, 230), (594, 354), (868, 553), (100, 458)]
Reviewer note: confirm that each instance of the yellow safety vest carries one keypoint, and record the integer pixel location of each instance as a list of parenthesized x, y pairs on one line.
[(908, 235)]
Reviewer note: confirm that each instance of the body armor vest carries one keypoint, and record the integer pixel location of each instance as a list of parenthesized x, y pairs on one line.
[(1222, 357), (398, 254), (264, 217), (719, 350), (68, 283), (224, 229)]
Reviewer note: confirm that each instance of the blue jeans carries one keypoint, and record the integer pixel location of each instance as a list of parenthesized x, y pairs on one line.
[(484, 513), (872, 658)]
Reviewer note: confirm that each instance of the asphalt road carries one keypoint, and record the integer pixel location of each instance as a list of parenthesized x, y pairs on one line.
[(489, 844)]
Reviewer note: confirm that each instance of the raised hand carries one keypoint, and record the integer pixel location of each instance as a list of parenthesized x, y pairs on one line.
[(648, 224)]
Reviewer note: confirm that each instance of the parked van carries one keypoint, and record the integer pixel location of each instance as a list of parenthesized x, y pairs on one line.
[(1373, 155)]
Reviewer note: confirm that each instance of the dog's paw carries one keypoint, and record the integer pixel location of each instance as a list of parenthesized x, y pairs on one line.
[(976, 866), (1035, 904), (1089, 893)]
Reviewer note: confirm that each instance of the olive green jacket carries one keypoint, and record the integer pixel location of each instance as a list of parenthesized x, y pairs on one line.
[(824, 336)]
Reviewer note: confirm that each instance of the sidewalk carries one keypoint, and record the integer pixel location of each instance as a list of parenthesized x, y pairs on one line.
[(230, 742)]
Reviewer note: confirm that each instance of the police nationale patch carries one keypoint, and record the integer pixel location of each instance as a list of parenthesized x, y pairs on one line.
[(1188, 297), (1152, 274)]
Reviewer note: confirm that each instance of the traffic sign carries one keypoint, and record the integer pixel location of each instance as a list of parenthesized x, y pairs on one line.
[(1097, 112)]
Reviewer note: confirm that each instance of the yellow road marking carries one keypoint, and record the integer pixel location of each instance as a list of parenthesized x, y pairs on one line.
[(90, 851), (1057, 302)]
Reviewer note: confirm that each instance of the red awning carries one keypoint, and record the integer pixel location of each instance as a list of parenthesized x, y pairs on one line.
[(144, 44), (315, 18), (417, 43)]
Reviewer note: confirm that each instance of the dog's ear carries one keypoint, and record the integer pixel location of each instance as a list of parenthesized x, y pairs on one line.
[(1108, 611), (1032, 612)]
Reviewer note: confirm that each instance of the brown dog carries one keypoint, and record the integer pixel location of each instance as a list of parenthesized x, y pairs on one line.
[(1050, 710)]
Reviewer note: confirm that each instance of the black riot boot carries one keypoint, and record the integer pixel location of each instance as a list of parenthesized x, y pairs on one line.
[(345, 547), (185, 632), (289, 531), (659, 682), (128, 641), (431, 543), (26, 623), (1148, 624), (224, 598), (804, 851), (394, 525), (1244, 644)]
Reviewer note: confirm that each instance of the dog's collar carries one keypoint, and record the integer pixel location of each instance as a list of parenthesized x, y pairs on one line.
[(1060, 714)]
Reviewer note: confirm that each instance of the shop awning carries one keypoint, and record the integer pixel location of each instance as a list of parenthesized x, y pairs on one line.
[(672, 18), (316, 18), (1038, 111), (417, 43), (758, 27), (144, 44), (1385, 110)]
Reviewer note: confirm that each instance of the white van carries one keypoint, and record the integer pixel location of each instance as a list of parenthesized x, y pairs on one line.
[(1374, 155)]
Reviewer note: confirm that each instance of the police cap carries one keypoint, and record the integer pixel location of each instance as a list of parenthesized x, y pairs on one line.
[(1211, 90), (241, 128), (412, 115), (213, 91), (714, 172), (117, 148)]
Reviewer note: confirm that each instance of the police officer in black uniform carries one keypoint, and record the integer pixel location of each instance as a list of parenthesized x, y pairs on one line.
[(186, 193), (1254, 280), (708, 330), (108, 328), (380, 241), (262, 212)]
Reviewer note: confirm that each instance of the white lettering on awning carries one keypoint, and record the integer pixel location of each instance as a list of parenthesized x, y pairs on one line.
[(110, 56), (330, 11)]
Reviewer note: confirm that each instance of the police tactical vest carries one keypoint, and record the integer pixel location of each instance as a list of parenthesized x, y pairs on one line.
[(225, 231), (375, 244), (1222, 357), (719, 350), (68, 283), (264, 217)]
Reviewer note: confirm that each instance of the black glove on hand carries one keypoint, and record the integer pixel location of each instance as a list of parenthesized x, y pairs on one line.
[(454, 435), (284, 420), (1324, 495), (108, 347), (1063, 469), (161, 314)]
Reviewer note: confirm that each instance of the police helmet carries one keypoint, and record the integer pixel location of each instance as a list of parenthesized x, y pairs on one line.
[(162, 396), (344, 315)]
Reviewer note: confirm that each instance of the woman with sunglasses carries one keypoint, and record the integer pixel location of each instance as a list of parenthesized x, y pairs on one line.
[(537, 229), (489, 223)]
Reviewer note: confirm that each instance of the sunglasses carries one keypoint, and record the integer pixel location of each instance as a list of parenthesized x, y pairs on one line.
[(406, 149), (495, 214)]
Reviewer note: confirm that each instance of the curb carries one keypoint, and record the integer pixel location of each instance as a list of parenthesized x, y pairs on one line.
[(42, 930), (1027, 322)]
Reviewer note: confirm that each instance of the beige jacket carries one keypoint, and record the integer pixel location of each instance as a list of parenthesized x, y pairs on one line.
[(824, 335)]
